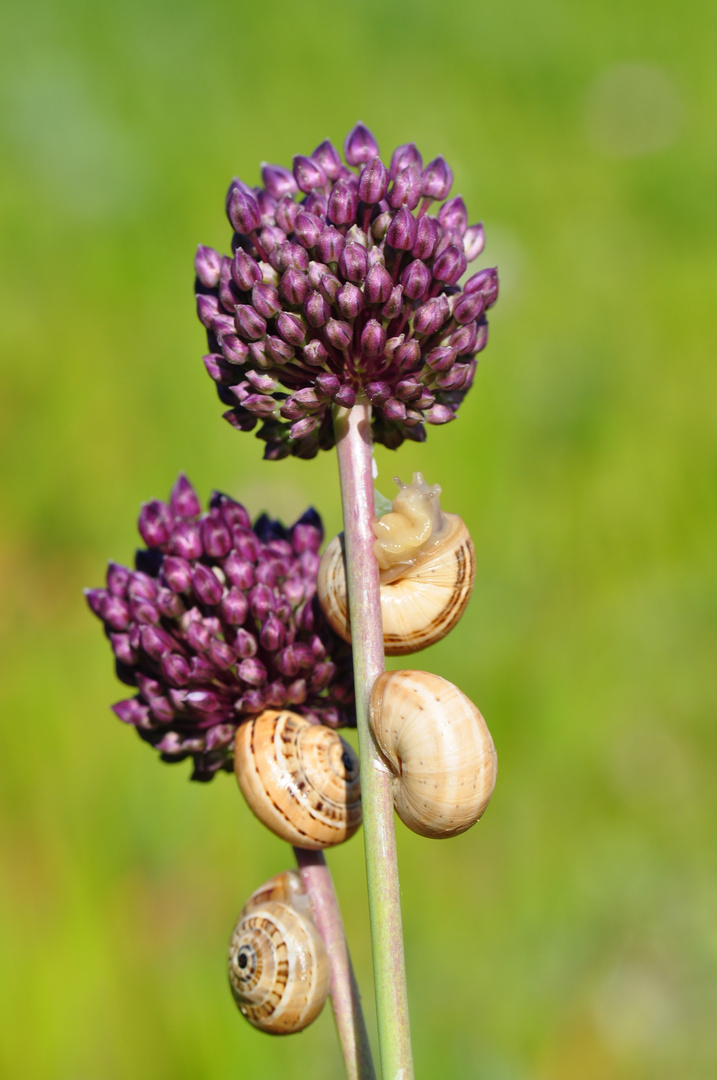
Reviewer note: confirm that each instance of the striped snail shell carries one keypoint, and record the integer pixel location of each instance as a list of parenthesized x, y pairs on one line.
[(278, 967), (426, 571), (438, 749), (300, 779)]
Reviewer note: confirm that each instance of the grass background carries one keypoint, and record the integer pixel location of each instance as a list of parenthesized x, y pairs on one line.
[(572, 933)]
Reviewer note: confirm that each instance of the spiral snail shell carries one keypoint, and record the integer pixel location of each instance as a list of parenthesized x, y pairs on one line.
[(300, 779), (278, 967), (426, 570), (438, 748)]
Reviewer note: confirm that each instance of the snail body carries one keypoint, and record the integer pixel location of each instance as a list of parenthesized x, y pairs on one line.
[(278, 967), (426, 571), (438, 749), (300, 779)]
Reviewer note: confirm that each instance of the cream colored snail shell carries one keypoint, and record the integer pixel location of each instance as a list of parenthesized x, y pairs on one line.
[(426, 569), (278, 967), (300, 779), (438, 749)]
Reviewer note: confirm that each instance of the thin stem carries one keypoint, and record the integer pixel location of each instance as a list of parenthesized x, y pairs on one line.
[(353, 443), (345, 997)]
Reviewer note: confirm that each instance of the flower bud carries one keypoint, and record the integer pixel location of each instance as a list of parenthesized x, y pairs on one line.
[(449, 266), (286, 213), (463, 341), (353, 262), (234, 351), (239, 571), (402, 230), (343, 202), (408, 390), (484, 282), (378, 285), (415, 279), (293, 256), (453, 215), (177, 573), (427, 236), (329, 245), (277, 180), (301, 428), (373, 182), (339, 334), (437, 179), (307, 173), (316, 309), (216, 538), (406, 189), (261, 601), (350, 300), (440, 414), (308, 229), (207, 307), (114, 612), (293, 286), (243, 211), (473, 241), (404, 156), (378, 392), (207, 264), (272, 635), (265, 300), (393, 305), (291, 328), (440, 359), (327, 158), (394, 409), (207, 587), (373, 338), (249, 322), (408, 356), (315, 353), (468, 307), (429, 318), (259, 404), (360, 145), (155, 523), (345, 396), (183, 500), (279, 351)]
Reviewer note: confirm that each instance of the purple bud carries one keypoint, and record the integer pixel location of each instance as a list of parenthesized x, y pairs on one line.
[(261, 601), (267, 206), (155, 641), (155, 523), (183, 500), (440, 359), (408, 390), (265, 384), (360, 145), (339, 334), (175, 669), (114, 612), (203, 701), (454, 378), (394, 409), (453, 215), (373, 339), (350, 300), (440, 414), (449, 266), (249, 323), (207, 308), (402, 230), (221, 325), (468, 307), (473, 241), (117, 578), (234, 607), (207, 265), (316, 203), (316, 309), (373, 182), (429, 318), (291, 328), (378, 392), (123, 650), (302, 428), (239, 571), (408, 356), (206, 585), (484, 282), (243, 210), (327, 384), (345, 396), (245, 644), (216, 537), (293, 286), (343, 202), (292, 410), (327, 157), (259, 404), (286, 213), (329, 246), (141, 611), (169, 604), (393, 305), (463, 341), (329, 286), (426, 237), (141, 586), (272, 634), (252, 671), (253, 701), (186, 540), (308, 173), (315, 353), (296, 692), (293, 256), (265, 302), (308, 229), (353, 262), (233, 350), (415, 279), (131, 711), (177, 573), (277, 180), (437, 179), (221, 655), (403, 156), (378, 285), (406, 189), (219, 370), (279, 351)]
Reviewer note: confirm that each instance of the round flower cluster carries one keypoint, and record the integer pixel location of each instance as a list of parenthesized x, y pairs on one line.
[(219, 621), (342, 283)]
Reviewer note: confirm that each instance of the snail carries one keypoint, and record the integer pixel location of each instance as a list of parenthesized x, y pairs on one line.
[(438, 749), (426, 570), (300, 779), (278, 967)]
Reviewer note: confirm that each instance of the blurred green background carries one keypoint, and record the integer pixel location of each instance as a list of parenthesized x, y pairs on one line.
[(572, 933)]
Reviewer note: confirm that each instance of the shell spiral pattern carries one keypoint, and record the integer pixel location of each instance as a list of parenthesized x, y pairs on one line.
[(438, 748), (300, 779), (278, 967)]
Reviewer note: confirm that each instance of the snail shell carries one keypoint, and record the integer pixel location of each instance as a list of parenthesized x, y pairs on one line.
[(300, 779), (278, 967), (426, 570), (438, 748)]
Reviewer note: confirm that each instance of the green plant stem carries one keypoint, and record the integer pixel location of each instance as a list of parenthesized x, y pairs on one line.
[(353, 444), (345, 997)]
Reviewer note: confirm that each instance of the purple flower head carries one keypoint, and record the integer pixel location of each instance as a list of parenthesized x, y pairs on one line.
[(342, 277), (212, 637)]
